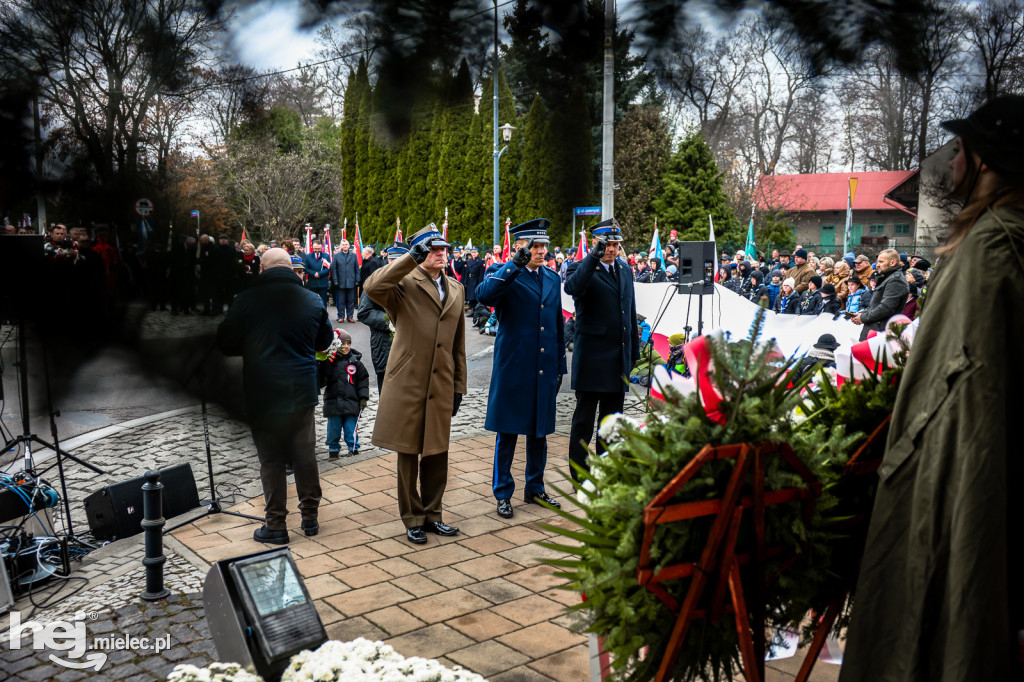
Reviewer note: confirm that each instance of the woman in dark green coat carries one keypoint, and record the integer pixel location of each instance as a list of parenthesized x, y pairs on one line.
[(939, 593)]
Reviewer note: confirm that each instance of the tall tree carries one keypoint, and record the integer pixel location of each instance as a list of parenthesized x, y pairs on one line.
[(940, 56), (536, 174), (996, 36), (691, 191), (100, 65), (642, 149)]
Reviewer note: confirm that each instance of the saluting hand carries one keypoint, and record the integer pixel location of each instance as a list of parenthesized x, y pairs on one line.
[(522, 256), (419, 252), (599, 248)]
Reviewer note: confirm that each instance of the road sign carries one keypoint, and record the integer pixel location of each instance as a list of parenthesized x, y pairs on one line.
[(195, 213), (144, 207), (587, 210)]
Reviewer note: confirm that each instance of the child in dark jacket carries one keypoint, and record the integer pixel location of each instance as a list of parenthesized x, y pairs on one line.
[(347, 388)]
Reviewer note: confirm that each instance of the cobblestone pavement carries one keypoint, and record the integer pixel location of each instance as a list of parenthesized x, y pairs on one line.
[(483, 602)]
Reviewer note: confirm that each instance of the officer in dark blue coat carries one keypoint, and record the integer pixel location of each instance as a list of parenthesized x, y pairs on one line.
[(529, 361), (606, 344)]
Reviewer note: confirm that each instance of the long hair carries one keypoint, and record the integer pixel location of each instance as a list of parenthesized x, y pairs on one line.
[(999, 192)]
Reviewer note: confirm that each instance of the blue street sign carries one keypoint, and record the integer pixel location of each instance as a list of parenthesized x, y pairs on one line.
[(587, 210), (195, 213)]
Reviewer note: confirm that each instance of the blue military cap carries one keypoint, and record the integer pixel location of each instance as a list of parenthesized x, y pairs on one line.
[(607, 230), (397, 249), (536, 230), (430, 236)]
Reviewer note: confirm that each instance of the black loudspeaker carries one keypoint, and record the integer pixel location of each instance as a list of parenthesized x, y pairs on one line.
[(116, 511), (697, 265)]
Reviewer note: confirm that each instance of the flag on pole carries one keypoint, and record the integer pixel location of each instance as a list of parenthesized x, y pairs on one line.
[(444, 225), (712, 240), (655, 251), (245, 237), (328, 250), (506, 250), (469, 246), (750, 250), (581, 252), (848, 232), (358, 245), (344, 229), (309, 238), (398, 229)]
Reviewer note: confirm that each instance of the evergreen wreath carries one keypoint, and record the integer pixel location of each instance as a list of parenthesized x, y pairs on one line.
[(763, 400)]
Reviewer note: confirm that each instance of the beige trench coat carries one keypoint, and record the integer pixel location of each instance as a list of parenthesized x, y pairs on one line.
[(427, 364)]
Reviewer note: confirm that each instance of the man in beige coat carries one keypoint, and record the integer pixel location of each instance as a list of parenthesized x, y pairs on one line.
[(425, 378)]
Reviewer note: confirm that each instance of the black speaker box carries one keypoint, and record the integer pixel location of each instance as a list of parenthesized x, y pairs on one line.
[(115, 511), (696, 265)]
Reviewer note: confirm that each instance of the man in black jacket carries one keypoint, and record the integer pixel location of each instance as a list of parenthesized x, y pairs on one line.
[(376, 318), (606, 343), (344, 277), (277, 326), (891, 291)]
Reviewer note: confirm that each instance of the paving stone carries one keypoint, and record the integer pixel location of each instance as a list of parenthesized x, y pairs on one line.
[(123, 671), (430, 642), (436, 557), (566, 666), (529, 610), (394, 620), (353, 628), (417, 585), (372, 598), (521, 674), (487, 567), (488, 658), (445, 605), (541, 639), (482, 625), (498, 590)]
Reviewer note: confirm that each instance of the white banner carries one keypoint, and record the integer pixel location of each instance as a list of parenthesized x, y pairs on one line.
[(795, 334)]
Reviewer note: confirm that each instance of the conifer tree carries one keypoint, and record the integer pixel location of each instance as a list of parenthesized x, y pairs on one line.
[(452, 178), (571, 150), (348, 131), (361, 141), (475, 220), (691, 190), (533, 200), (642, 149)]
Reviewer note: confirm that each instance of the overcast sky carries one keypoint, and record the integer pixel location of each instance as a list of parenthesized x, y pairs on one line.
[(266, 36)]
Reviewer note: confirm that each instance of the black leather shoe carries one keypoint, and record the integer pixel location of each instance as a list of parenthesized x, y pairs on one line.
[(310, 528), (416, 535), (271, 537), (505, 509), (439, 528), (534, 498)]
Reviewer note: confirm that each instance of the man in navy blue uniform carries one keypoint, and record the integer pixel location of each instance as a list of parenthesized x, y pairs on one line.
[(529, 361), (318, 270), (606, 345)]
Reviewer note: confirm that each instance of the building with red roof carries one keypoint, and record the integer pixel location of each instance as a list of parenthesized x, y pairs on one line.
[(816, 203)]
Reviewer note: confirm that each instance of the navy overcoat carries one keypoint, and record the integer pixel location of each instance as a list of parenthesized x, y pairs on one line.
[(606, 345), (529, 351)]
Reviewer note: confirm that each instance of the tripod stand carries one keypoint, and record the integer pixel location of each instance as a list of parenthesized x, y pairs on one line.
[(27, 438), (213, 506)]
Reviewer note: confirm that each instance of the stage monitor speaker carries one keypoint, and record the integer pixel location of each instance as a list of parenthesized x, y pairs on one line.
[(115, 511), (697, 265)]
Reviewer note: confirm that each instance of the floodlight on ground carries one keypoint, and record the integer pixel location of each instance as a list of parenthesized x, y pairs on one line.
[(259, 612)]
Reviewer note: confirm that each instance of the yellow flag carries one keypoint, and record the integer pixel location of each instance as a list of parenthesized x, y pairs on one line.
[(853, 189)]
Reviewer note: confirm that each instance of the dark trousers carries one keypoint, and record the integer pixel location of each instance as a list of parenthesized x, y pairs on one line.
[(536, 458), (419, 504), (582, 430), (345, 302), (380, 383), (287, 439)]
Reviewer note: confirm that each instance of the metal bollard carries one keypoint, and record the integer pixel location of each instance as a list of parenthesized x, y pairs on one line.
[(152, 525)]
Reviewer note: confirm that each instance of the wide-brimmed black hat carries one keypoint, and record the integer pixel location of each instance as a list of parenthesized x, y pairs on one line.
[(995, 132), (827, 342)]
